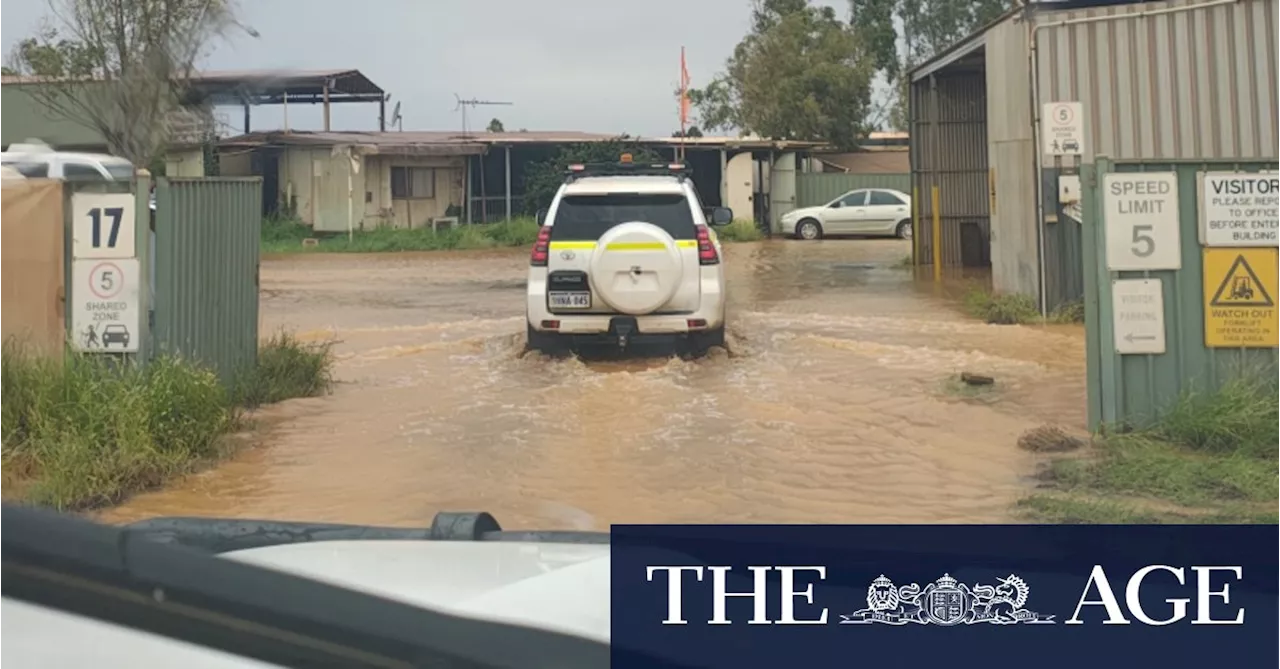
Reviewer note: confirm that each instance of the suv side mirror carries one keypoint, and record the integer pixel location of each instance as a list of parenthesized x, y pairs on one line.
[(721, 216), (542, 217)]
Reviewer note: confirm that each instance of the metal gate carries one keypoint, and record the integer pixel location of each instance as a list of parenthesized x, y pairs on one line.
[(207, 235)]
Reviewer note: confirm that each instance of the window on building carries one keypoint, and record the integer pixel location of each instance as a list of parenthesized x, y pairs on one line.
[(413, 183), (81, 172), (879, 197)]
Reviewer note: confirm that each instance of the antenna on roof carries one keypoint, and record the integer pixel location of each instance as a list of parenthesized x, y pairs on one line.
[(473, 102), (396, 119)]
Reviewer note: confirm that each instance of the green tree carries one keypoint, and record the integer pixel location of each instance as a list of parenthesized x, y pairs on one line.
[(542, 179), (691, 131), (121, 67), (495, 125), (801, 73), (927, 27)]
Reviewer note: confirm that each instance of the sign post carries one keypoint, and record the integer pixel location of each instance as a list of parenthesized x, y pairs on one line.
[(1239, 209), (106, 275), (1140, 213), (1062, 128)]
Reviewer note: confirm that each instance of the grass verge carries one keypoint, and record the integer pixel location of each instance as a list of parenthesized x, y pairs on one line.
[(1017, 309), (82, 432), (740, 230), (1010, 309), (287, 235), (1210, 458)]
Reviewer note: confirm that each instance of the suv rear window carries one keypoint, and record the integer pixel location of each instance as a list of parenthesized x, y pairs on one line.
[(586, 217)]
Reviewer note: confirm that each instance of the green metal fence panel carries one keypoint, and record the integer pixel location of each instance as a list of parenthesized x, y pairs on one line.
[(1132, 390), (814, 189), (1064, 264), (207, 238)]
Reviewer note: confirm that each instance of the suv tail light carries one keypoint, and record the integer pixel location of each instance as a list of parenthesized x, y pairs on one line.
[(706, 250), (541, 248)]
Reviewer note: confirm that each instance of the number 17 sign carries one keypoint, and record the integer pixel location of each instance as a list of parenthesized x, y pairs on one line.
[(102, 225)]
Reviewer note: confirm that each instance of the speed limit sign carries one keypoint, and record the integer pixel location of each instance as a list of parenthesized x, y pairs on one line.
[(106, 310), (1062, 131)]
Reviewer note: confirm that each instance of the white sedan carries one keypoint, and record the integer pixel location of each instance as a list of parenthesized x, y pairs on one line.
[(866, 211)]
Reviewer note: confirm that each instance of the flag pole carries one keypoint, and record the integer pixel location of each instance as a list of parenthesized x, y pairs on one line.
[(684, 96)]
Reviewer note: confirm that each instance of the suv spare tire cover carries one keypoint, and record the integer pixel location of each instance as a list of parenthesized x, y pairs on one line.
[(636, 268)]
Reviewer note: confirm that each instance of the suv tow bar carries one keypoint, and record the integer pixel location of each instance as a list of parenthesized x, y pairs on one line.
[(621, 327)]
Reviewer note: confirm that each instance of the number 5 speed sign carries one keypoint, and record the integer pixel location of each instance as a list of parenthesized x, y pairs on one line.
[(102, 225), (1141, 217), (106, 314)]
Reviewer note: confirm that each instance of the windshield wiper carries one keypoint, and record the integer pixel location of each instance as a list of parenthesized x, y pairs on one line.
[(110, 574), (221, 535)]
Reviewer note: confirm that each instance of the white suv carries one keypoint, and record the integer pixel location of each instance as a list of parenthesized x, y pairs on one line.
[(626, 253), (37, 160)]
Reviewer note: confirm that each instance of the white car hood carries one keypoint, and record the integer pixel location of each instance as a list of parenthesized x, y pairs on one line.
[(558, 587), (796, 214)]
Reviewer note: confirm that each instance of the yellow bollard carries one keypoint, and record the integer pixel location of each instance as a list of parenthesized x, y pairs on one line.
[(915, 226), (936, 239)]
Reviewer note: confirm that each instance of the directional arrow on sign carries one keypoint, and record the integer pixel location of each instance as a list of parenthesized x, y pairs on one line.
[(1133, 337)]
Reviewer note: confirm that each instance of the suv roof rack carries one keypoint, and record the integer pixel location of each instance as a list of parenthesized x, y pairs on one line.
[(626, 168)]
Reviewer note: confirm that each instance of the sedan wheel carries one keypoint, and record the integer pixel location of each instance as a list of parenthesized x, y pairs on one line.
[(904, 230), (808, 230)]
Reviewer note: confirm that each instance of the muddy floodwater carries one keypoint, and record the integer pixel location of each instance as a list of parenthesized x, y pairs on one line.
[(833, 404)]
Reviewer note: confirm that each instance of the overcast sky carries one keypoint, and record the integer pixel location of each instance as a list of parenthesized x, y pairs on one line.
[(591, 65)]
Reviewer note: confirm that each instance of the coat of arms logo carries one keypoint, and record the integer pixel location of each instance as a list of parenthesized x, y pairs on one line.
[(947, 602)]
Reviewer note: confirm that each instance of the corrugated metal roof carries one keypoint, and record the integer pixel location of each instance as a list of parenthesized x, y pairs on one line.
[(268, 81), (300, 82), (975, 40), (483, 139)]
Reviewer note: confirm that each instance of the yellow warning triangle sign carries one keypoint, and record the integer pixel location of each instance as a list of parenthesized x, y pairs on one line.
[(1241, 288)]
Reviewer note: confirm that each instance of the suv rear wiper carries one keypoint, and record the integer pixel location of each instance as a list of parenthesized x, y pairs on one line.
[(85, 569), (220, 535)]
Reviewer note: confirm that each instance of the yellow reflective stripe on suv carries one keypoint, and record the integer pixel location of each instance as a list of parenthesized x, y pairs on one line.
[(623, 246)]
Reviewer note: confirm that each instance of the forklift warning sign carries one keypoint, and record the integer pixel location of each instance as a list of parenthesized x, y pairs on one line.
[(1240, 298)]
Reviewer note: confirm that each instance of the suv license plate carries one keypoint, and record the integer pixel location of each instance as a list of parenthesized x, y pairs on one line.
[(569, 300)]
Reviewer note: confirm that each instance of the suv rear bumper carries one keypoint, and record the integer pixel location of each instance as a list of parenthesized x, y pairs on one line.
[(708, 316)]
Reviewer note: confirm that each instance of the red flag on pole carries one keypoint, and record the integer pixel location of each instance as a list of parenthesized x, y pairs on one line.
[(684, 91)]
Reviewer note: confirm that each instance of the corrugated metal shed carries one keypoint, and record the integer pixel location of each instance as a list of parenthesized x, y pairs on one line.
[(1180, 79), (949, 151), (1011, 148), (1159, 80)]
